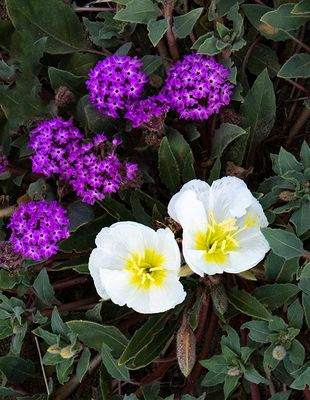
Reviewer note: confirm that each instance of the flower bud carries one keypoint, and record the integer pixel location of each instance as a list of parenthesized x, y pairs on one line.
[(219, 298), (67, 352), (234, 371), (279, 353), (186, 348), (54, 349)]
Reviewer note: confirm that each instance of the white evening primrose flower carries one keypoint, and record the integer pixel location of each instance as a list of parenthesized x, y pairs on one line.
[(221, 226), (137, 266)]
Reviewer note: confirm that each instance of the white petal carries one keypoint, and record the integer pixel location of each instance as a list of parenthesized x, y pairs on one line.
[(158, 298), (117, 285), (229, 198), (196, 261), (168, 246), (253, 248), (255, 210), (190, 211), (95, 264), (201, 189)]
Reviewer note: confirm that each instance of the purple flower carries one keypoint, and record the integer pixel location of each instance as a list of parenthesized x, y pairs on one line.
[(197, 87), (114, 83), (149, 113), (92, 168), (3, 163), (37, 227)]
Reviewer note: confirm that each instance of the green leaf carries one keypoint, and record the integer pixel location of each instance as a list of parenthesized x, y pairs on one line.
[(138, 11), (144, 337), (44, 289), (287, 162), (302, 7), (252, 375), (283, 243), (276, 295), (305, 155), (306, 306), (263, 57), (213, 379), (298, 66), (58, 326), (258, 331), (83, 364), (151, 392), (230, 385), (6, 328), (295, 314), (207, 44), (297, 352), (169, 171), (16, 369), (64, 369), (248, 304), (157, 29), (269, 363), (184, 24), (280, 270), (281, 395), (119, 372), (259, 110), (48, 337), (217, 364), (301, 220), (302, 380), (42, 19), (223, 136), (8, 392), (282, 18), (254, 13), (94, 335), (60, 77), (151, 63), (78, 64)]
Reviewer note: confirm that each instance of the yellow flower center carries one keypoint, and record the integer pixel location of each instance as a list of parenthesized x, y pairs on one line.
[(220, 238), (146, 269)]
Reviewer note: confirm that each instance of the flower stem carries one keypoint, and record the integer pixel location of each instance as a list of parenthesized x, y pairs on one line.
[(255, 395), (301, 44), (94, 9), (172, 44)]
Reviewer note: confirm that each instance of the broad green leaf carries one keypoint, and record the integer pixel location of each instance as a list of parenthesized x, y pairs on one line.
[(306, 306), (207, 44), (287, 162), (282, 18), (215, 171), (275, 295), (223, 136), (263, 57), (302, 379), (259, 110), (138, 11), (216, 364), (298, 66), (183, 25), (83, 364), (232, 339), (9, 280), (119, 372), (78, 64), (60, 77), (296, 352), (254, 13), (94, 335), (304, 285), (151, 63), (295, 314), (252, 375), (248, 304), (280, 270), (8, 392), (58, 326), (42, 19), (281, 395), (213, 379), (16, 369), (169, 171), (151, 392), (305, 155), (302, 7), (301, 220), (64, 370), (44, 289), (269, 363), (6, 328), (156, 30), (138, 209), (258, 331), (50, 338), (230, 385), (283, 243)]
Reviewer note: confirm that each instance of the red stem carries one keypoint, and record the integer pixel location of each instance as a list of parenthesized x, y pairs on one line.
[(63, 284), (255, 395), (307, 393)]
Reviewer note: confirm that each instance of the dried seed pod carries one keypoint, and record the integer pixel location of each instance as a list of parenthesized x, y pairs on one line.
[(219, 298), (186, 347)]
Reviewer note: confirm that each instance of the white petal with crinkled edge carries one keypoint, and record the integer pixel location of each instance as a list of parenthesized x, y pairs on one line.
[(252, 249), (254, 210), (229, 198), (94, 265), (201, 189), (190, 211), (169, 247)]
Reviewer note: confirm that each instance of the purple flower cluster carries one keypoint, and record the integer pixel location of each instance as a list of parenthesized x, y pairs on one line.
[(197, 87), (114, 83), (3, 163), (92, 168), (148, 112), (37, 227)]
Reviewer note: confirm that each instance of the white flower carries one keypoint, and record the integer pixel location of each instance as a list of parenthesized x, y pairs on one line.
[(221, 226), (137, 266)]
